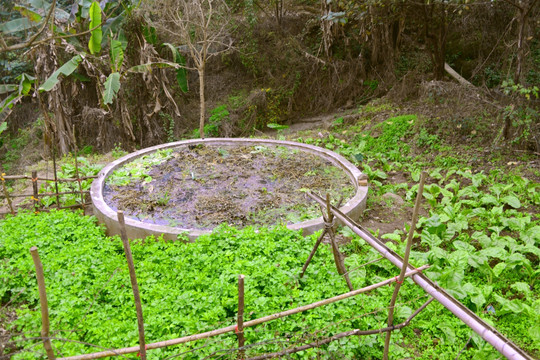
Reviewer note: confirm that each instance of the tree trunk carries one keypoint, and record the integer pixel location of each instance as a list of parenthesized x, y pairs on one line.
[(436, 30), (524, 10), (200, 69), (522, 21)]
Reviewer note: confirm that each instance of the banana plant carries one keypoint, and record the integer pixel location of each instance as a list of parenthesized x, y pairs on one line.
[(16, 92)]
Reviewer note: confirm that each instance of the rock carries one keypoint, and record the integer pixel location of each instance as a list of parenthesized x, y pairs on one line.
[(395, 198)]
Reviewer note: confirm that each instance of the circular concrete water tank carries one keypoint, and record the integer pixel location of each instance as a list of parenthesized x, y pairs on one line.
[(137, 229)]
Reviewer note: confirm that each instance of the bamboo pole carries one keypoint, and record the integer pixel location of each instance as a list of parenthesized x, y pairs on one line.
[(250, 323), (6, 194), (43, 303), (405, 263), (79, 180), (134, 285), (35, 196), (55, 176), (26, 177), (74, 206), (500, 342), (313, 251), (62, 207), (240, 319), (357, 332), (338, 259), (50, 194)]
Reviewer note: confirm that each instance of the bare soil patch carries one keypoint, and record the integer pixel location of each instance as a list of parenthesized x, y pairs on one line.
[(200, 187)]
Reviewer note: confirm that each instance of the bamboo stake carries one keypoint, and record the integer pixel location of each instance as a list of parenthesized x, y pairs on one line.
[(79, 180), (338, 259), (134, 285), (35, 196), (342, 335), (55, 176), (313, 251), (6, 194), (250, 323), (405, 264), (240, 320), (43, 303)]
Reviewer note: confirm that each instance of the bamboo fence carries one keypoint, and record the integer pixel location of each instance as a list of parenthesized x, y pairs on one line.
[(35, 196), (329, 213)]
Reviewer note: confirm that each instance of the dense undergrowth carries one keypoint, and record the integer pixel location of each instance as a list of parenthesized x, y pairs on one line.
[(186, 288), (479, 231)]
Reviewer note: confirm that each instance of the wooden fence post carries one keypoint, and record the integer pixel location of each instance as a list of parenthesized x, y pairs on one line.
[(35, 197), (240, 319), (340, 265), (134, 285), (79, 181), (43, 303), (405, 264), (6, 194), (55, 177)]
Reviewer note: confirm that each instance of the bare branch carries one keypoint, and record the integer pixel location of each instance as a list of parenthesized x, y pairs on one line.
[(513, 3), (34, 37)]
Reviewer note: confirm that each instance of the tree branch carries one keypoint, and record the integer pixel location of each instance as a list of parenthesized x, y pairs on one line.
[(513, 4), (34, 37)]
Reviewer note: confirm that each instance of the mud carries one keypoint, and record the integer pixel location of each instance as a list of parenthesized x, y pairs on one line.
[(202, 186)]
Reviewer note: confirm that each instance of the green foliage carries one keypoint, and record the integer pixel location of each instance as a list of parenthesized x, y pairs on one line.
[(138, 168), (275, 126), (15, 144), (117, 55), (168, 125), (181, 73), (480, 236), (427, 140), (112, 86), (117, 151), (185, 287), (528, 92), (218, 115), (69, 170), (17, 91), (524, 121), (67, 69), (96, 35), (16, 25)]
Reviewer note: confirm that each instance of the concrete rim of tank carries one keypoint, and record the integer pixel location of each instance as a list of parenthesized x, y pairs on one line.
[(136, 229)]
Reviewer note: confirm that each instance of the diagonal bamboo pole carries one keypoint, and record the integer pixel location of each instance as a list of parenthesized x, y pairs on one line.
[(250, 323), (486, 331), (313, 251), (338, 259), (134, 285), (342, 335), (43, 303), (405, 264)]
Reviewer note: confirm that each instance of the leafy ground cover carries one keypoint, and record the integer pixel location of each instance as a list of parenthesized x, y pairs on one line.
[(479, 230), (186, 288)]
